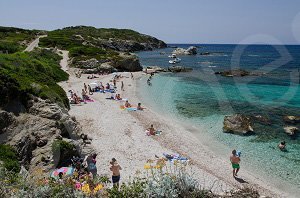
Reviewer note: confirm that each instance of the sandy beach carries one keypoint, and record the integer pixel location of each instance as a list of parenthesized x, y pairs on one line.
[(121, 134)]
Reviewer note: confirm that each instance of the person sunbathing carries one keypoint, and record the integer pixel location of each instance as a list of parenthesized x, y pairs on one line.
[(127, 104), (151, 130), (76, 98), (139, 106), (118, 97)]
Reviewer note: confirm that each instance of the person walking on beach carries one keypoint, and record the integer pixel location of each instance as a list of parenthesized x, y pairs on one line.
[(115, 168), (235, 162), (122, 86), (131, 75)]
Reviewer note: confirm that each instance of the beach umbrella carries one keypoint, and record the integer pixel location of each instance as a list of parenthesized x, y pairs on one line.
[(93, 85), (65, 170)]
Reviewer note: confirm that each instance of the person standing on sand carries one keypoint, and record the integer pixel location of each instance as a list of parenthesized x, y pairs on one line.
[(85, 87), (131, 75), (115, 168), (122, 86), (235, 160)]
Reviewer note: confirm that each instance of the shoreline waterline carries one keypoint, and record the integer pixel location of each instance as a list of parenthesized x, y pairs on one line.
[(219, 149)]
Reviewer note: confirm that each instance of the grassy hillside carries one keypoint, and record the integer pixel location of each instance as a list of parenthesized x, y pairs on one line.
[(102, 44), (15, 39), (34, 73)]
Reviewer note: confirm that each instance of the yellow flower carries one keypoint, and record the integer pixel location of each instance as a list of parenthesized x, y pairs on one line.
[(98, 187), (147, 166), (86, 189)]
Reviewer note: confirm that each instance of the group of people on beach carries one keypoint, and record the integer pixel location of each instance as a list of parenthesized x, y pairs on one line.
[(85, 172)]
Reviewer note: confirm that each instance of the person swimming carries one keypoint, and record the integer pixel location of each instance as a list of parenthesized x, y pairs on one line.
[(282, 146)]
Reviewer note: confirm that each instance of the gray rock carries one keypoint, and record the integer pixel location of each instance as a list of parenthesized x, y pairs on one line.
[(237, 124), (127, 62), (6, 119), (290, 130), (190, 51), (179, 69), (292, 119)]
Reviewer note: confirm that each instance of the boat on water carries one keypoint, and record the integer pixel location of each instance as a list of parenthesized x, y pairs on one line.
[(172, 56), (175, 60)]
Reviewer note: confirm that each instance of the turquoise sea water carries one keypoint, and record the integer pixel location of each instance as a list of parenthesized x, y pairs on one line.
[(203, 99)]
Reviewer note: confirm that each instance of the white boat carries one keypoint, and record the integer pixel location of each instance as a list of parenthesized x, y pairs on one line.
[(172, 61), (172, 56), (175, 60)]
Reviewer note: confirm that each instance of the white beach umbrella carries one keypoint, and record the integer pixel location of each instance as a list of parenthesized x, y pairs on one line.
[(93, 85)]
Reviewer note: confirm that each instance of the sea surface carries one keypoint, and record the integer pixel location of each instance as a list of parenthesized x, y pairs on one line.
[(203, 98)]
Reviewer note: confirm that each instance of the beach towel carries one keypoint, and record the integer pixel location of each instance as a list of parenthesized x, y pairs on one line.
[(175, 157), (89, 100), (156, 132)]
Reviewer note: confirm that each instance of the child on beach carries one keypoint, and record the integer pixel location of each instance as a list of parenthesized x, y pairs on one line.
[(235, 160), (127, 104), (115, 168)]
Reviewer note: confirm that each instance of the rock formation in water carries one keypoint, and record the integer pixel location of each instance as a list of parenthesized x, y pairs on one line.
[(237, 124), (190, 51)]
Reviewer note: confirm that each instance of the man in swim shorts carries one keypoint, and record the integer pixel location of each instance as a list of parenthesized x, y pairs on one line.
[(115, 168), (235, 160)]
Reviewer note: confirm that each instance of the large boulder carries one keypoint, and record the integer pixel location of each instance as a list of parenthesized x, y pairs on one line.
[(190, 51), (290, 130), (179, 69), (154, 69), (292, 119), (6, 119), (127, 62), (237, 124)]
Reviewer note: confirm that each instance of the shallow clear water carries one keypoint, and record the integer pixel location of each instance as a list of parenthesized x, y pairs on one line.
[(203, 98)]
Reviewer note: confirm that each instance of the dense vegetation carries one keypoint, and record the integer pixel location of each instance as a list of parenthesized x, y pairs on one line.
[(34, 73), (14, 39), (8, 158)]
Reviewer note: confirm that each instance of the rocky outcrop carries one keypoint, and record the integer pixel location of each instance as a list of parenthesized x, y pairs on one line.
[(290, 130), (32, 134), (6, 119), (190, 51), (235, 72), (237, 124), (127, 62), (124, 62), (131, 46), (179, 69), (291, 119), (154, 69), (238, 73)]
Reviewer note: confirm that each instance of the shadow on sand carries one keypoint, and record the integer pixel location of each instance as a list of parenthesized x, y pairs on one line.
[(241, 180)]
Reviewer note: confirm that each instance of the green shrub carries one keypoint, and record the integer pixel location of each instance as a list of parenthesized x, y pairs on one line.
[(9, 158), (34, 73), (61, 145)]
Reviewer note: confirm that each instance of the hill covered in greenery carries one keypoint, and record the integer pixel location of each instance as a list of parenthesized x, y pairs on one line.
[(36, 73), (15, 39), (103, 45)]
